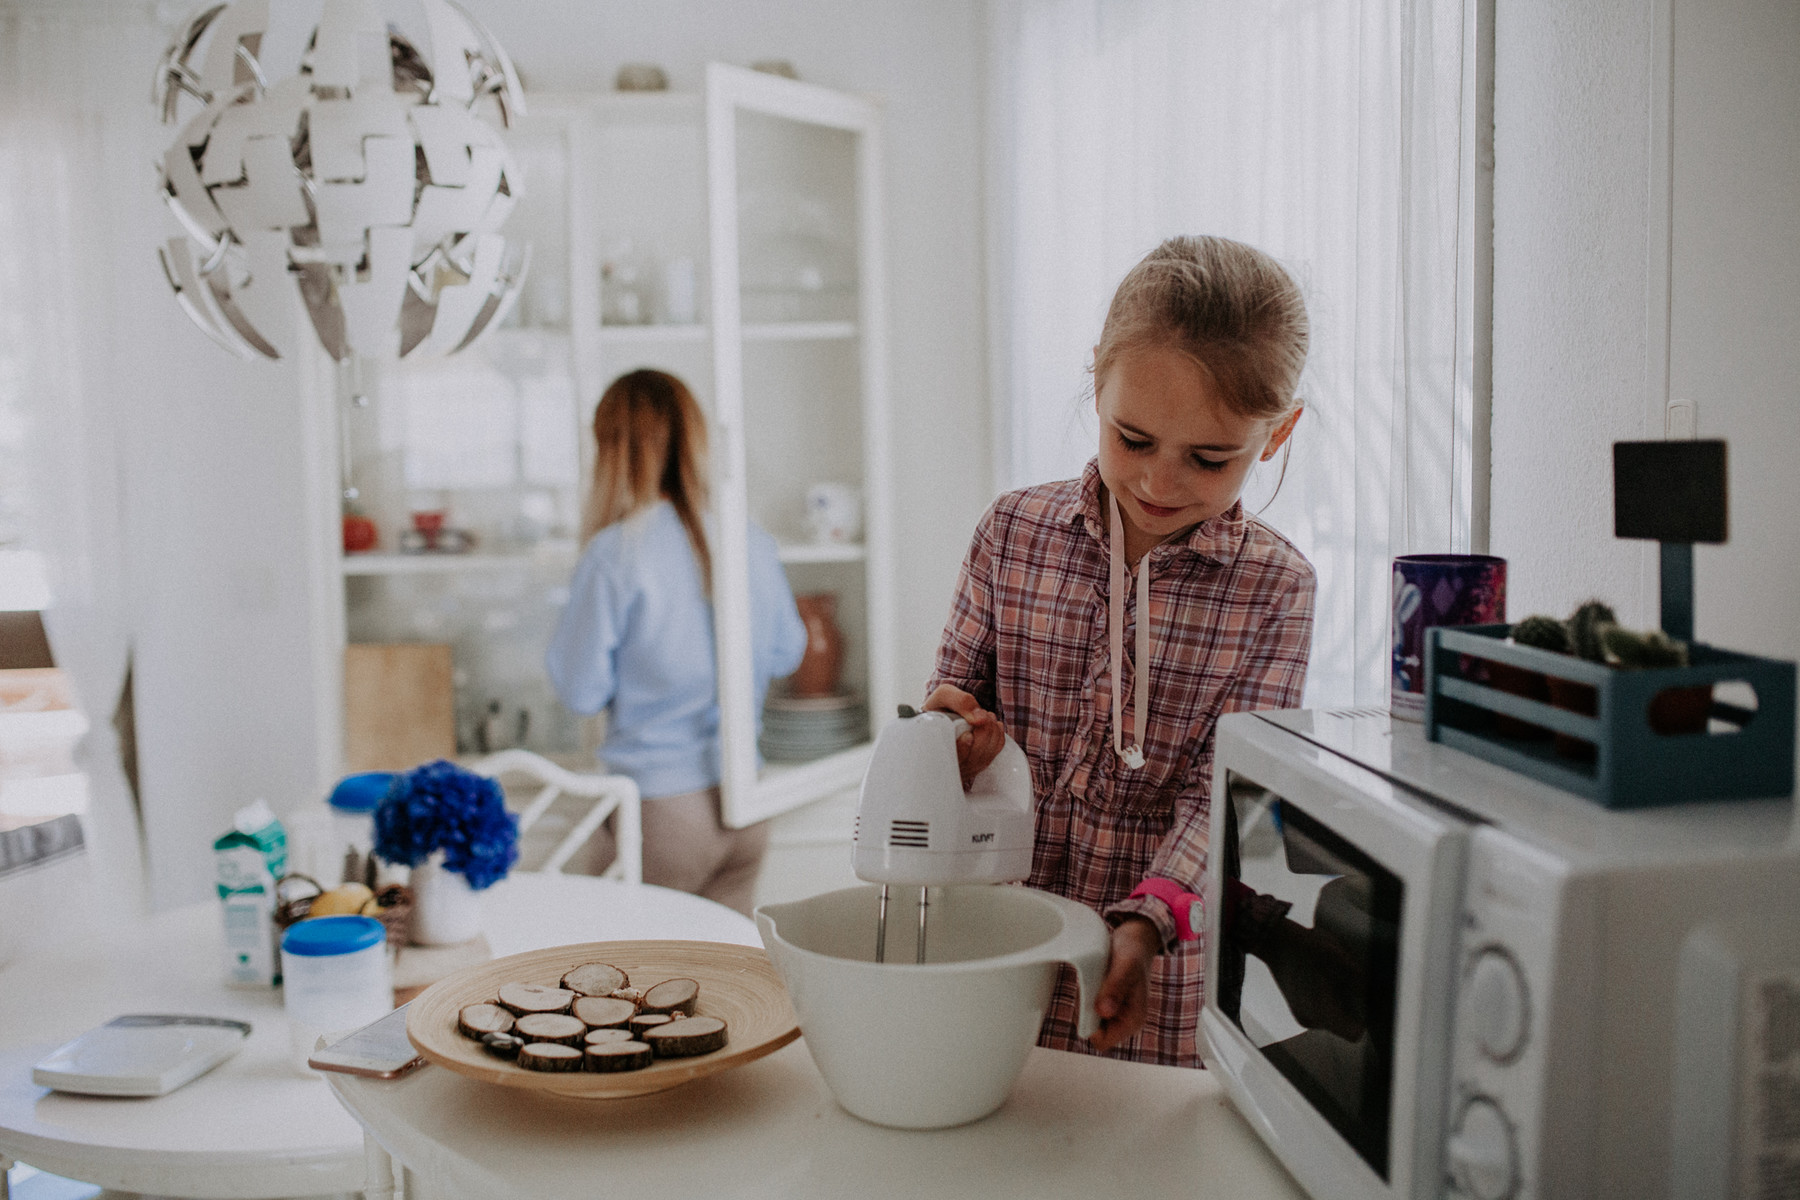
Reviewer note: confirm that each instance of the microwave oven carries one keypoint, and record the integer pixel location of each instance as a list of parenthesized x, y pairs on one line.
[(1428, 976)]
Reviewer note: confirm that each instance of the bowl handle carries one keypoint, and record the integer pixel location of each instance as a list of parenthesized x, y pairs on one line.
[(1085, 944)]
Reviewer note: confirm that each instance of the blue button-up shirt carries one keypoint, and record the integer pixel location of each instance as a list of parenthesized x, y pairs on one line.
[(637, 637)]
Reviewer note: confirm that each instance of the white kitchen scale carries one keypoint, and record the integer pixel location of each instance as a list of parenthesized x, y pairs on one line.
[(141, 1054)]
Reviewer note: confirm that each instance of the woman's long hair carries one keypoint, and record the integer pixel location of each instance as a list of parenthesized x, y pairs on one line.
[(649, 445)]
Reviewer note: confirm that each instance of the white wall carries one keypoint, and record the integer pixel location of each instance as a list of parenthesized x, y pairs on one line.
[(1571, 164), (211, 496), (1735, 328), (217, 526), (1581, 235)]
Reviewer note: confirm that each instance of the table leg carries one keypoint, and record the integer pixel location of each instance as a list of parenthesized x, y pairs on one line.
[(6, 1166), (378, 1182)]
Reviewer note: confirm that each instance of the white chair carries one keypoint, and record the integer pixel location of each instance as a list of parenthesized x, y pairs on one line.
[(610, 794)]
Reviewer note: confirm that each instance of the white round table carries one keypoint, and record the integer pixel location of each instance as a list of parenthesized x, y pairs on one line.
[(1075, 1128), (251, 1129)]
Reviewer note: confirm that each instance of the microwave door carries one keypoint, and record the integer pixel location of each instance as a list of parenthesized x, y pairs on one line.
[(1332, 926), (1309, 962)]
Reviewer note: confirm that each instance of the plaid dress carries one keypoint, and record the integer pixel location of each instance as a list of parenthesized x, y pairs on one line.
[(1232, 605)]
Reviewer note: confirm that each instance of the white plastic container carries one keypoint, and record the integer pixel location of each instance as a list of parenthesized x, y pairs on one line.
[(925, 1046), (335, 978)]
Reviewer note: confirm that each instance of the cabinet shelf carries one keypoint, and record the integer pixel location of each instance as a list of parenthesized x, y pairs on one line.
[(784, 785), (799, 331), (427, 564), (528, 335), (821, 552), (615, 335)]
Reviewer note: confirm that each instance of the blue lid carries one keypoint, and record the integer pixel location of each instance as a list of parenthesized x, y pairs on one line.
[(321, 936), (360, 793)]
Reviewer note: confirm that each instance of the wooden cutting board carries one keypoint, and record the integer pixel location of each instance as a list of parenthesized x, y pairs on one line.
[(399, 705)]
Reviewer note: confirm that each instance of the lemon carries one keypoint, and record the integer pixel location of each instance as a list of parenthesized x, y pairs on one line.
[(345, 899)]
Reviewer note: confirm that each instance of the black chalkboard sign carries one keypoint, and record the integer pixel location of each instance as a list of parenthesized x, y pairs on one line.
[(1669, 491)]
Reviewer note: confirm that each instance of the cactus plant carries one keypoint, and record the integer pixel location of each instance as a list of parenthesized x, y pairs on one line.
[(1546, 633), (1585, 628), (1638, 651)]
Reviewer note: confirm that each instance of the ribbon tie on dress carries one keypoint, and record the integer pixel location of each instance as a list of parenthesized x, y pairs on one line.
[(1132, 754)]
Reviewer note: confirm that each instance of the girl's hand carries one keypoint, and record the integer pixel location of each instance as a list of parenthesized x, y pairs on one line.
[(982, 744), (1124, 999)]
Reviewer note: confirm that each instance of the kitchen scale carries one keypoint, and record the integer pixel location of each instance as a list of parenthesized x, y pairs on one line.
[(141, 1054)]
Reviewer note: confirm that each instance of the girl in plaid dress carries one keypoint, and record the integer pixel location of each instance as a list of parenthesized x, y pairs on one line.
[(1148, 561)]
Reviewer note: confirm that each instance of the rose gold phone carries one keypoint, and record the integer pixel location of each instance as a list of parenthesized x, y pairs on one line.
[(379, 1050)]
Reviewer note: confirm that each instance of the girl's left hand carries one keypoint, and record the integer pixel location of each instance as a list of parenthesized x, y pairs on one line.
[(1124, 999)]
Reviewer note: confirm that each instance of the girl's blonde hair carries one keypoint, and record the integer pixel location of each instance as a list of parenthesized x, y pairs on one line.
[(1228, 306), (649, 445)]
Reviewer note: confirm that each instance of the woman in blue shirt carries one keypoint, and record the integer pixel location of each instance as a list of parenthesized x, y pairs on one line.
[(636, 638)]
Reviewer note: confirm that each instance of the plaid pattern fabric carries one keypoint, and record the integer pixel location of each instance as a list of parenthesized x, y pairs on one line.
[(1027, 635)]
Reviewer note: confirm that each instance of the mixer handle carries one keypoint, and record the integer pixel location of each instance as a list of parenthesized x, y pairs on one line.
[(958, 725)]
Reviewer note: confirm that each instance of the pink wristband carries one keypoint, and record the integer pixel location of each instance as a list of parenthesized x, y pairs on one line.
[(1184, 906)]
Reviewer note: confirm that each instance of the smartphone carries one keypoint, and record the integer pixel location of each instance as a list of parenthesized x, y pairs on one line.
[(378, 1050)]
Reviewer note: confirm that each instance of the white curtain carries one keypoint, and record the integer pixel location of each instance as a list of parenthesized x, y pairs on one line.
[(1335, 134), (71, 147)]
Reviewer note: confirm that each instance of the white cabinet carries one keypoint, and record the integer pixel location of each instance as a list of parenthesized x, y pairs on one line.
[(732, 238), (800, 369)]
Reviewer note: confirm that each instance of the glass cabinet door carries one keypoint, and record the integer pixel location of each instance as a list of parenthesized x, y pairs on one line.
[(800, 407)]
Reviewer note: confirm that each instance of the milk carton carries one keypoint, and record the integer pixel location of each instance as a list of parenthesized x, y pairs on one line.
[(249, 859)]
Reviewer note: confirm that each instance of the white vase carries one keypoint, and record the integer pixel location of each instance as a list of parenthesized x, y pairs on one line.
[(446, 910)]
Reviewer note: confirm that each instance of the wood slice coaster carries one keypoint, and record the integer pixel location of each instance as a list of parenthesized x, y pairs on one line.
[(738, 984), (595, 979), (672, 996), (551, 1027), (549, 1057), (609, 1058), (601, 1012), (523, 999), (478, 1020), (644, 1022), (684, 1039)]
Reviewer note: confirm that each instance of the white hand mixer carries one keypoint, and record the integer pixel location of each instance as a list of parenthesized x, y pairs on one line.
[(915, 825)]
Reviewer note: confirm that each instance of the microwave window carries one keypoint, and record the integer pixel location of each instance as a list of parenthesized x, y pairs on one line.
[(1309, 960)]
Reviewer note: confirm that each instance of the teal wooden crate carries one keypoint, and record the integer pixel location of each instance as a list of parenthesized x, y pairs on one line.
[(1744, 752)]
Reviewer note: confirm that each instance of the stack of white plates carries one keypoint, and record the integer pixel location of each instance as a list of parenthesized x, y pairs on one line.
[(802, 728)]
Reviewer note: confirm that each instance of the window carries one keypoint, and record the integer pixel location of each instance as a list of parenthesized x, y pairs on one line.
[(1338, 137)]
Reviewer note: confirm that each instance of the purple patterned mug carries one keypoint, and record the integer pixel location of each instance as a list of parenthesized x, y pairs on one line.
[(1437, 589)]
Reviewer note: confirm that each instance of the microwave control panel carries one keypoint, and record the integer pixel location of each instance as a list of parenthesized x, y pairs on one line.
[(1503, 984)]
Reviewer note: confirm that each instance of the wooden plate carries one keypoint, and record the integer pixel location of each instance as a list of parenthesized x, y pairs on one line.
[(737, 983)]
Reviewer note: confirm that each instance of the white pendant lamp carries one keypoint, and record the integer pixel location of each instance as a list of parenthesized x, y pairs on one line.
[(337, 154)]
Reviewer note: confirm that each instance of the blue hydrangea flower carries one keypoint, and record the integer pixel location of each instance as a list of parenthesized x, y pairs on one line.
[(441, 806)]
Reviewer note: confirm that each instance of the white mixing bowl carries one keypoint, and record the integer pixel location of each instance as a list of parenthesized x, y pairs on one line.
[(924, 1046)]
